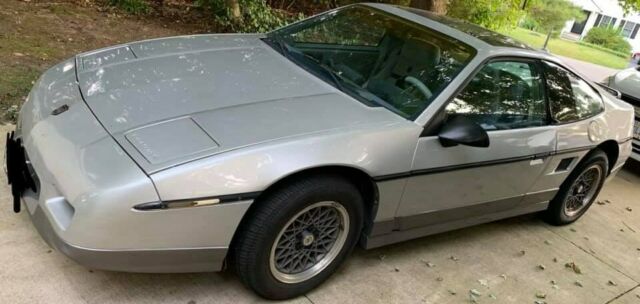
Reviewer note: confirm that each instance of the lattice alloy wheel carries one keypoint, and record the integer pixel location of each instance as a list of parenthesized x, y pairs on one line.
[(309, 242), (583, 190)]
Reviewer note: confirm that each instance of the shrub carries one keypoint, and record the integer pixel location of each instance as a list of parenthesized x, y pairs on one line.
[(131, 6), (608, 37), (256, 15), (529, 23)]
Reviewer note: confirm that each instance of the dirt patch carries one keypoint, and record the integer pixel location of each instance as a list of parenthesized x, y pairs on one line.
[(34, 35)]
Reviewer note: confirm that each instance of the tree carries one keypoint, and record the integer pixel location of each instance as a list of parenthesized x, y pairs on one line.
[(234, 9), (630, 5), (436, 6), (492, 14), (551, 15)]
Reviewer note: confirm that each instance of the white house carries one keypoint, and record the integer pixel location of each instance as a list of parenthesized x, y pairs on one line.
[(604, 13)]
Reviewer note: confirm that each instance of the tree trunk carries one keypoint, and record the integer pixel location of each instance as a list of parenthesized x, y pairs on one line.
[(546, 41), (437, 6), (234, 6)]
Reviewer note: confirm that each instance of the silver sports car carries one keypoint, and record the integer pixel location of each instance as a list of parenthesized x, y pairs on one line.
[(627, 83), (278, 153)]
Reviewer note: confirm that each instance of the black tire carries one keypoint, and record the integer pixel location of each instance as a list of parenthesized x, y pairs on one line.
[(557, 214), (253, 246)]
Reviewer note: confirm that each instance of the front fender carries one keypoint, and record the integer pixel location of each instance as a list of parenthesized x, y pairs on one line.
[(379, 150)]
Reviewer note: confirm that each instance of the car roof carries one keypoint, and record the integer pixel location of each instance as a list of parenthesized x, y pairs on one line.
[(488, 37)]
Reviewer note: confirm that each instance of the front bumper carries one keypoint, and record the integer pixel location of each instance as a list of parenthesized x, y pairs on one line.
[(85, 187), (635, 152), (150, 261)]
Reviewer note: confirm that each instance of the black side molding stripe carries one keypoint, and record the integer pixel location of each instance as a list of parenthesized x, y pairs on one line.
[(215, 200), (388, 177), (625, 140)]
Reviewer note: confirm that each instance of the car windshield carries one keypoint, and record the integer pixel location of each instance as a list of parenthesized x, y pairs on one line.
[(378, 58)]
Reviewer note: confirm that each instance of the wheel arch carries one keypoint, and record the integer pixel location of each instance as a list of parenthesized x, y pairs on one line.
[(362, 180), (612, 150)]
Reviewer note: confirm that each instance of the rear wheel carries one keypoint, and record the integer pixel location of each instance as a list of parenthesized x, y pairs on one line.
[(298, 235), (580, 189)]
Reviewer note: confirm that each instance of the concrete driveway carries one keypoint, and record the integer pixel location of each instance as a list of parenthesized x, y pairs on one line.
[(510, 261), (594, 72)]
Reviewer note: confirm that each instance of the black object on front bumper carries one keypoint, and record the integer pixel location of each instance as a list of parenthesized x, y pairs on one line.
[(18, 174)]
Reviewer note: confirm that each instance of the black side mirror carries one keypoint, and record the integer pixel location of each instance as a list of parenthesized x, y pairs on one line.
[(461, 130)]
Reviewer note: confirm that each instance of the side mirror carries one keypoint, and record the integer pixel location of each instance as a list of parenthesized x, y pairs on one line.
[(460, 130)]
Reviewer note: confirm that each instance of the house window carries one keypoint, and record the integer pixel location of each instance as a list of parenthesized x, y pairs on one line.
[(635, 31), (606, 21), (627, 30)]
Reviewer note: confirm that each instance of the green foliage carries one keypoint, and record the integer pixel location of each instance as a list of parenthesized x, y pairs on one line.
[(131, 6), (630, 5), (256, 15), (529, 23), (551, 15), (608, 37), (624, 55), (492, 14)]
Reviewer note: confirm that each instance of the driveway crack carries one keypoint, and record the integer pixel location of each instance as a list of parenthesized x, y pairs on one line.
[(622, 294), (308, 299), (593, 255)]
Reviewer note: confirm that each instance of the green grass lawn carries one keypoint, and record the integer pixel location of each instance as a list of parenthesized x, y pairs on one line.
[(569, 49)]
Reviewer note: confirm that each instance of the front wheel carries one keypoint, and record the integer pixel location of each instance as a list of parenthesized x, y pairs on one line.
[(579, 190), (298, 235)]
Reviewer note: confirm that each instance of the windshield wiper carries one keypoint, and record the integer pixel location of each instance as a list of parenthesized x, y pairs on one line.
[(282, 46), (298, 56), (332, 75)]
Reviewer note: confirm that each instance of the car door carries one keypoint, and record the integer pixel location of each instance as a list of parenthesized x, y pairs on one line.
[(574, 108), (507, 98)]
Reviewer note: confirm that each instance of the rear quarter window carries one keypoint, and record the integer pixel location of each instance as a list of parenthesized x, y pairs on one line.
[(570, 98)]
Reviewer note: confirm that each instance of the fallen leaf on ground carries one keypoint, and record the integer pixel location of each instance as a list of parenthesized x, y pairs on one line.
[(629, 227), (474, 292), (547, 242), (18, 54), (439, 279), (540, 302), (578, 283), (600, 202), (504, 276), (629, 209), (541, 267), (493, 296), (428, 264), (541, 295), (452, 292), (612, 283), (574, 267), (573, 229), (453, 258)]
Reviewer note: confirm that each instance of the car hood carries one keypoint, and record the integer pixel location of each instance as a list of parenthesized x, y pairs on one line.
[(173, 100), (627, 82)]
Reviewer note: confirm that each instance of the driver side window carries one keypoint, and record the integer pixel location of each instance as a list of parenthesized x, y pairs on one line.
[(504, 95)]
